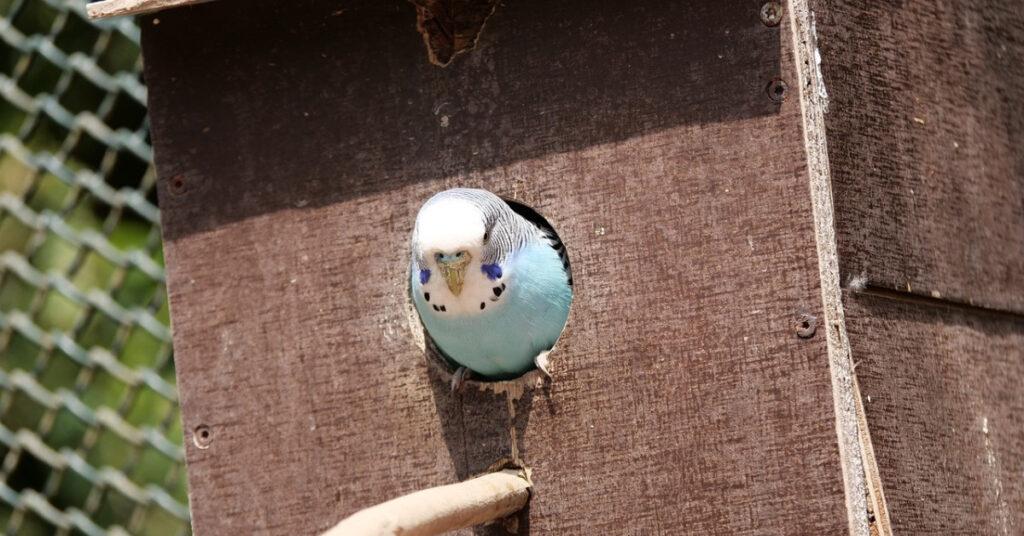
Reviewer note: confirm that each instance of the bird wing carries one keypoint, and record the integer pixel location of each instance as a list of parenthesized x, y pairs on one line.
[(546, 231)]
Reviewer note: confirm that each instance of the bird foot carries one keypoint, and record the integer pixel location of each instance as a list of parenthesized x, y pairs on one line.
[(541, 361), (459, 379)]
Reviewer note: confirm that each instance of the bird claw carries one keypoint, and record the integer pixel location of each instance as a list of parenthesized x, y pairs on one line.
[(541, 361), (459, 379)]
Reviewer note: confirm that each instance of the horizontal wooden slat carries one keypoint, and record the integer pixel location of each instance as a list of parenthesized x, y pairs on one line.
[(925, 129), (941, 387)]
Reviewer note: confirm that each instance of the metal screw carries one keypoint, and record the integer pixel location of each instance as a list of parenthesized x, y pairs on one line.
[(777, 90), (771, 13), (202, 436), (806, 325), (176, 185)]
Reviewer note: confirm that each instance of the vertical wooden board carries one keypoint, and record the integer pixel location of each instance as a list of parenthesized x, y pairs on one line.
[(295, 142), (943, 400), (925, 129)]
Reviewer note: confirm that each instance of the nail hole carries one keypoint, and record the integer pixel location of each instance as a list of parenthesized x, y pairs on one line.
[(202, 436)]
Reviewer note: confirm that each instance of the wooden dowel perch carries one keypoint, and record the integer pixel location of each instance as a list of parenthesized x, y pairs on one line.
[(116, 8), (442, 509)]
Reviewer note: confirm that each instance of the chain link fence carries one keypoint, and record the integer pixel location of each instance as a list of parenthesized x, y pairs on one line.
[(90, 438)]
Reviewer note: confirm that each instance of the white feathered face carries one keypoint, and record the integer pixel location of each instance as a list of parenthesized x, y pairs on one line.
[(451, 243)]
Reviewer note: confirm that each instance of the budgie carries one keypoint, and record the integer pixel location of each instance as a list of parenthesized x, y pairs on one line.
[(491, 282)]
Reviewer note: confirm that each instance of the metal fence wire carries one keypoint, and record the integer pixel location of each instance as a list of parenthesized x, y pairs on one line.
[(90, 437)]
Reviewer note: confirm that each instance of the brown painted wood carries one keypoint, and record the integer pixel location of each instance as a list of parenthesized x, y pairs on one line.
[(925, 124), (943, 400), (296, 141), (925, 129)]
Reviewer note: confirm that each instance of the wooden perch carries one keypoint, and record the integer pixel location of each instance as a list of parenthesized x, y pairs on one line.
[(445, 508), (115, 8)]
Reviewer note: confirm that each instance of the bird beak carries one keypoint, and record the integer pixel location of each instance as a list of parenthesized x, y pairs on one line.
[(454, 272)]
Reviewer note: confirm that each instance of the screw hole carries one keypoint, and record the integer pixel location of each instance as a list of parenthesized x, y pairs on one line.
[(771, 13)]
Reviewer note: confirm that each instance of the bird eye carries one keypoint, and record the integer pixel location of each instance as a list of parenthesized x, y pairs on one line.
[(487, 234)]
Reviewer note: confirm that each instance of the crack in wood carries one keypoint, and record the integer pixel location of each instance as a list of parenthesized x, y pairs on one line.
[(868, 289), (878, 509)]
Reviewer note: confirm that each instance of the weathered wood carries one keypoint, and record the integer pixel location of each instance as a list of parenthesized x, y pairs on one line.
[(643, 132), (117, 8), (925, 121), (943, 399), (849, 433), (925, 128)]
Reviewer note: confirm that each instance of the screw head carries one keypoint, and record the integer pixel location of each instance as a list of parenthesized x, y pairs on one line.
[(177, 185), (771, 13), (806, 325), (202, 436), (777, 90)]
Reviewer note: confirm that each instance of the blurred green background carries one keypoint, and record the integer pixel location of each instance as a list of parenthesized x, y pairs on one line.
[(90, 438)]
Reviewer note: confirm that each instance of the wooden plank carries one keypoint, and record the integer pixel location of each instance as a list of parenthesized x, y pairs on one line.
[(296, 143), (849, 431), (118, 8), (925, 126), (943, 399)]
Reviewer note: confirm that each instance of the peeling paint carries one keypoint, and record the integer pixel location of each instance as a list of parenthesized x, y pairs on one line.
[(451, 27)]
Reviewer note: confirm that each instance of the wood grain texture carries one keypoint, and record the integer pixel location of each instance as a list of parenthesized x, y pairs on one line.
[(296, 143), (925, 129), (943, 399)]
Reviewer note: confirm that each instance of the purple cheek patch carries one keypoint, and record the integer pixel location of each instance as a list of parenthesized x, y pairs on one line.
[(493, 271), (424, 276)]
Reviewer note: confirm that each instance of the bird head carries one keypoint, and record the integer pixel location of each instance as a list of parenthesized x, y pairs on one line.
[(451, 237)]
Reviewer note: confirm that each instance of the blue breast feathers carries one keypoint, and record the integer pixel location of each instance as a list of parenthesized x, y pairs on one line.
[(502, 341)]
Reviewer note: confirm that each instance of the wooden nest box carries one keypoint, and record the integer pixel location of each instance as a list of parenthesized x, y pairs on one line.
[(754, 196)]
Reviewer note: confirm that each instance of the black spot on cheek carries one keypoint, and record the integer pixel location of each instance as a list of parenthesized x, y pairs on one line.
[(482, 305), (436, 308), (426, 296), (443, 309)]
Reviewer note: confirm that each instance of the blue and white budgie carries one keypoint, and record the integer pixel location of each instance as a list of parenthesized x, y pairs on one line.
[(490, 281)]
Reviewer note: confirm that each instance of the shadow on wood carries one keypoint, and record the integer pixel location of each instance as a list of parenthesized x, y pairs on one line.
[(304, 104)]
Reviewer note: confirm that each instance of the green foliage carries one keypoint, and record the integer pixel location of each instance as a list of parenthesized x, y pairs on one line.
[(90, 435)]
